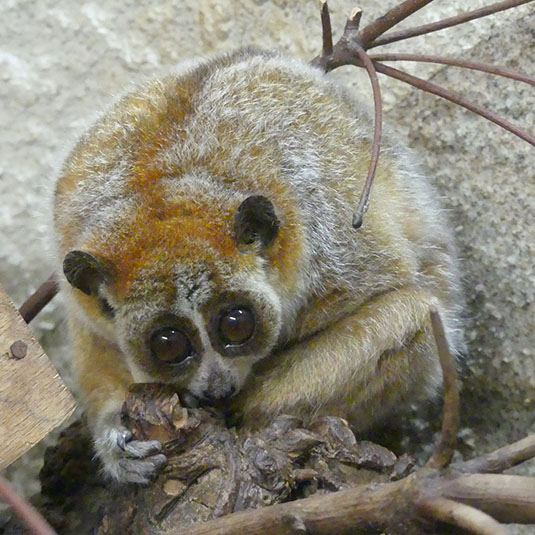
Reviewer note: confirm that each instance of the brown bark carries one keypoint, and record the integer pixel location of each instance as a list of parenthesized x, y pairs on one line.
[(212, 471), (283, 479)]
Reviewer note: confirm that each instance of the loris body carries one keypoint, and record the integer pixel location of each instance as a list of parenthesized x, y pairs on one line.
[(204, 226)]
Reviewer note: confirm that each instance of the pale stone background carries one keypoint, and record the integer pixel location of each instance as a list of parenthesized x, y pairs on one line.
[(62, 61)]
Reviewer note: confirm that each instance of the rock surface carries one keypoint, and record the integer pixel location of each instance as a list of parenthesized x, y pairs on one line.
[(63, 61)]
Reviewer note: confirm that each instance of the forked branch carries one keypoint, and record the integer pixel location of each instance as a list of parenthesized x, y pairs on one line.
[(351, 50)]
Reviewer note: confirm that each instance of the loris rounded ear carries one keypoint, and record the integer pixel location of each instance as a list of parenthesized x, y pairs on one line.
[(256, 220), (85, 271)]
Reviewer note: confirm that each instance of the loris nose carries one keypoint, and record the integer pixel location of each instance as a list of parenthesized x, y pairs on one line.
[(214, 395)]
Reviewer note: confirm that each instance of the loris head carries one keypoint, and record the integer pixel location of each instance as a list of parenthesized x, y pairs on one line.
[(184, 290), (177, 217)]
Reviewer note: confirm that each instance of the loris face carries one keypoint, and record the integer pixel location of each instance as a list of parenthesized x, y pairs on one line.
[(181, 311)]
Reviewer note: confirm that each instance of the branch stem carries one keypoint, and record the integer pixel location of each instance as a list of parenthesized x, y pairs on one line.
[(502, 459), (377, 134), (390, 19), (460, 515), (509, 499), (446, 23), (435, 89), (327, 34), (455, 62), (26, 512), (39, 299), (450, 420)]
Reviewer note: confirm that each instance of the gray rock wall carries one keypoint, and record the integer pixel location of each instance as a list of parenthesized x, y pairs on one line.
[(62, 61)]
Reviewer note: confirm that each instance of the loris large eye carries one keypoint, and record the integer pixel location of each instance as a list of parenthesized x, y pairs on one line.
[(170, 345), (236, 325)]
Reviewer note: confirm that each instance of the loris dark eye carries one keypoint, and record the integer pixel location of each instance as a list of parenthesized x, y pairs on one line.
[(236, 325), (170, 345)]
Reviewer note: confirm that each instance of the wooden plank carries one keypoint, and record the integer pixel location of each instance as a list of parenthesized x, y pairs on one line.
[(33, 398)]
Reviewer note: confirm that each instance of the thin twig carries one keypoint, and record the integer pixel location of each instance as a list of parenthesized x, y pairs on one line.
[(450, 418), (501, 459), (376, 146), (26, 512), (435, 89), (446, 23), (379, 26), (39, 299), (327, 34), (460, 515), (455, 62)]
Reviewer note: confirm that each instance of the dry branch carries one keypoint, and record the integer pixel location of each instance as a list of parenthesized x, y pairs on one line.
[(39, 299), (460, 515), (501, 459), (327, 34), (376, 144), (457, 62), (447, 23), (351, 50), (450, 420), (381, 25), (28, 514), (78, 502), (452, 96)]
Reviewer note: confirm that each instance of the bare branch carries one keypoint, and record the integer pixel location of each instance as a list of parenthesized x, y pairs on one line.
[(39, 299), (454, 62), (501, 459), (447, 23), (509, 499), (435, 89), (353, 22), (327, 34), (450, 419), (460, 515), (29, 516), (376, 146), (390, 19), (354, 510)]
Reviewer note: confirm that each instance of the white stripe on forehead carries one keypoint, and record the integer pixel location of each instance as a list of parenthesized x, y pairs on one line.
[(194, 286)]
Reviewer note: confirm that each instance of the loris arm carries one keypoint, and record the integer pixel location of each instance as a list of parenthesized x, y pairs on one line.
[(103, 381), (360, 367)]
